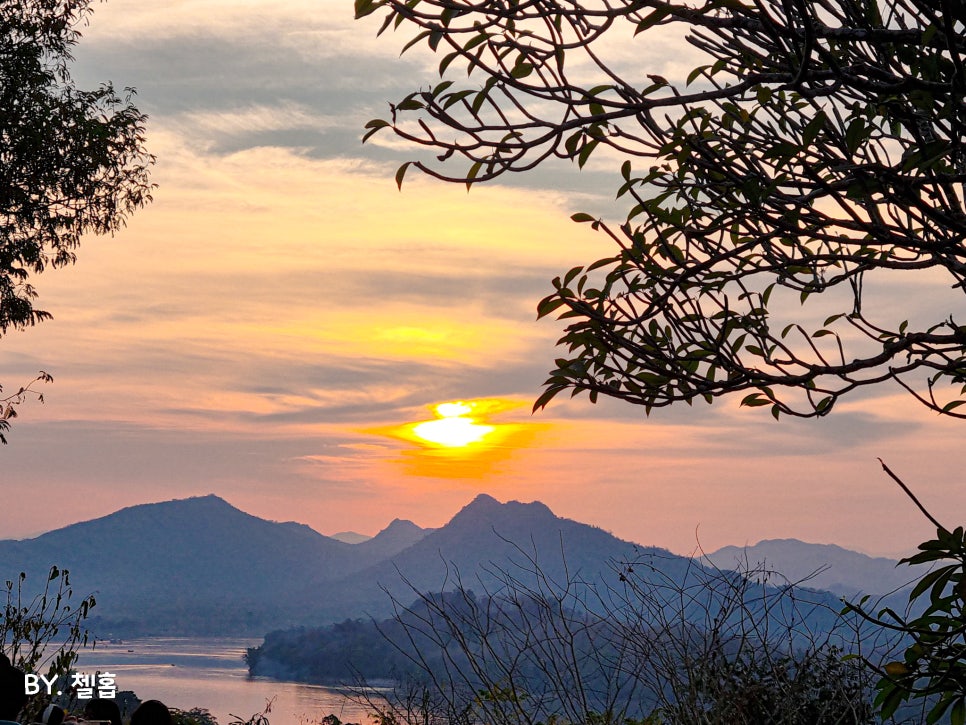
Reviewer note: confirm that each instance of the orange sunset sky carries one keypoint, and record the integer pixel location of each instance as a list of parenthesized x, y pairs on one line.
[(279, 323)]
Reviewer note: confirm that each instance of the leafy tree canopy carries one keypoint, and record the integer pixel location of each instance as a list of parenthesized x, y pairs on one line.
[(817, 151), (71, 161)]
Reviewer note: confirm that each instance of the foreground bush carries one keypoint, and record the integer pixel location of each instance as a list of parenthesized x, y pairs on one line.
[(715, 647)]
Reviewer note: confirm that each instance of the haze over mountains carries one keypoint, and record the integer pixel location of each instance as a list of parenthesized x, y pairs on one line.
[(821, 566), (199, 566), (350, 537)]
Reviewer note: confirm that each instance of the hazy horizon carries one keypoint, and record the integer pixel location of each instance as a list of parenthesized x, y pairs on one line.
[(696, 550)]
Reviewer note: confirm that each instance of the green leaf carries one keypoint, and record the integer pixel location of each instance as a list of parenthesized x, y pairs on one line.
[(694, 74), (766, 295), (521, 70), (410, 104), (718, 66), (571, 142), (547, 395), (813, 128), (559, 55), (478, 102), (400, 173), (928, 581), (571, 275), (957, 716), (888, 699), (476, 40), (472, 174), (602, 263), (548, 304), (366, 7), (414, 41), (447, 59), (652, 19), (953, 405), (581, 217), (456, 97), (855, 134), (374, 125), (585, 152)]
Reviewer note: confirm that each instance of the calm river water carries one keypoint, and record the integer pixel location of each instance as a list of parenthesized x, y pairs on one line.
[(210, 673)]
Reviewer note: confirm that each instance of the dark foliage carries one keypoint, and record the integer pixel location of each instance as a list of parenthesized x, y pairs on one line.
[(717, 648), (932, 670), (42, 633), (71, 161), (816, 152), (729, 646)]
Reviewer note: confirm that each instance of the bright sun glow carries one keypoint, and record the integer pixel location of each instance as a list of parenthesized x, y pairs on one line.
[(454, 428), (461, 439), (453, 410)]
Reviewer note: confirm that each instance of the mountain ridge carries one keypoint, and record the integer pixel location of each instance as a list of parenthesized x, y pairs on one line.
[(822, 566), (201, 566)]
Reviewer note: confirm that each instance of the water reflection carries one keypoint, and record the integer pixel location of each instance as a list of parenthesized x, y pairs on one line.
[(210, 673)]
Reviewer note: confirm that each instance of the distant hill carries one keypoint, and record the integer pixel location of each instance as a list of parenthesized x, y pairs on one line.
[(350, 537), (200, 566), (483, 539), (822, 566), (509, 557), (491, 549), (487, 535), (397, 537), (197, 565)]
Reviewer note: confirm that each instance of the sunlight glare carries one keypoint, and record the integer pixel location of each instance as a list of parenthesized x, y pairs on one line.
[(454, 428)]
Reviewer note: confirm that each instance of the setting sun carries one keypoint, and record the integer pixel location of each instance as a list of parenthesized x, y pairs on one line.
[(462, 439), (454, 428)]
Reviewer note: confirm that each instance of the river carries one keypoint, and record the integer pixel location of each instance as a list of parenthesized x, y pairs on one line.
[(211, 674)]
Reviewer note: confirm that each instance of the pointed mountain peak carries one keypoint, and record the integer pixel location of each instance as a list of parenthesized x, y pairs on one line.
[(483, 499), (485, 508), (399, 535), (401, 530), (399, 525)]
